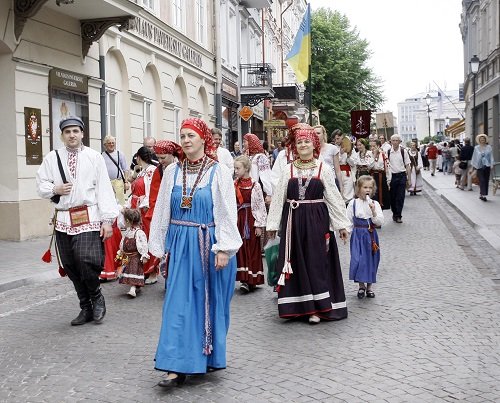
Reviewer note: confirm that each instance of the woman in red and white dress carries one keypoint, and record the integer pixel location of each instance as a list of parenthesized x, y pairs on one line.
[(139, 198)]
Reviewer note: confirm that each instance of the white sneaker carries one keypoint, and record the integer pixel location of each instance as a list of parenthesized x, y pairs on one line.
[(151, 280), (313, 319), (132, 292)]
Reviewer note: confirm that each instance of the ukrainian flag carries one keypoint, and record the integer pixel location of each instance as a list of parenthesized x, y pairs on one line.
[(299, 57)]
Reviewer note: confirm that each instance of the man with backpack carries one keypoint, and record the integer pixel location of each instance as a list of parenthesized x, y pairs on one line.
[(399, 162)]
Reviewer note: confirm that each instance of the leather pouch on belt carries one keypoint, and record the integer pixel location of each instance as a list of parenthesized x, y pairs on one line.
[(79, 216)]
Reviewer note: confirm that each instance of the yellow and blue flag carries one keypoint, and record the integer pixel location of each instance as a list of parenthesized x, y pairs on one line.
[(299, 57)]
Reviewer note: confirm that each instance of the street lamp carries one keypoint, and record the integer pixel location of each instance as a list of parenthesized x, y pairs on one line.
[(474, 68), (428, 102)]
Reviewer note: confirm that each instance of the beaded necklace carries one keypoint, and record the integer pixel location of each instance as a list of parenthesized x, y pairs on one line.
[(304, 165), (187, 200)]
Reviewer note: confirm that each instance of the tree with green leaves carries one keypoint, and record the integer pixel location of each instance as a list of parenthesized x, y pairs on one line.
[(341, 80)]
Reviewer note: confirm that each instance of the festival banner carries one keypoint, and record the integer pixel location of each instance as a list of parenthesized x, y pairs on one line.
[(360, 123)]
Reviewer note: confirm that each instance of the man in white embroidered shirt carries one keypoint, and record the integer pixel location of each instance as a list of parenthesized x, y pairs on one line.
[(399, 162), (75, 178)]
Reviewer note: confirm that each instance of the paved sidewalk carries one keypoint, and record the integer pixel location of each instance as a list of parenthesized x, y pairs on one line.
[(21, 263), (483, 216)]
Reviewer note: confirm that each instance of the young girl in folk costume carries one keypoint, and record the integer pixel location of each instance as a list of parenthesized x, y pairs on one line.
[(133, 252), (364, 214), (307, 207), (251, 219), (381, 173), (416, 166)]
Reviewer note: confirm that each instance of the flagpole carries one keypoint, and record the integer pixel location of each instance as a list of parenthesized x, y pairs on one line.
[(309, 84)]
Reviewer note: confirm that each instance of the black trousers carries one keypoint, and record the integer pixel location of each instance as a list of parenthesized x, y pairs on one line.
[(82, 257), (483, 174), (398, 192)]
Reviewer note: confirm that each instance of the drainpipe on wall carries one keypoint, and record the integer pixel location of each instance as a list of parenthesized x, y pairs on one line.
[(218, 66), (102, 76)]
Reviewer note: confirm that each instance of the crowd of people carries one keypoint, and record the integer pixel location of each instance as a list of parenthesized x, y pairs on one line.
[(465, 162), (200, 216)]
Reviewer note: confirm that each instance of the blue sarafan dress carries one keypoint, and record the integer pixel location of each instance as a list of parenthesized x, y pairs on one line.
[(197, 300), (365, 256)]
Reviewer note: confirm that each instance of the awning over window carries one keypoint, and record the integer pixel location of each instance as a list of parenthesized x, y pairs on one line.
[(456, 128)]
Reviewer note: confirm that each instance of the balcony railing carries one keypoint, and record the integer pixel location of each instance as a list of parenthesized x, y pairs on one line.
[(256, 82)]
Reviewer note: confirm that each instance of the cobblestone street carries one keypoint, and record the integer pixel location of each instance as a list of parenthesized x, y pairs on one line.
[(431, 334)]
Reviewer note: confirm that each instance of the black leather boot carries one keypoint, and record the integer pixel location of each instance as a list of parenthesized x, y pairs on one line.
[(98, 306), (85, 315)]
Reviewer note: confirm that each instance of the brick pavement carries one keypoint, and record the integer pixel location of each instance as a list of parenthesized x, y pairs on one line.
[(431, 334)]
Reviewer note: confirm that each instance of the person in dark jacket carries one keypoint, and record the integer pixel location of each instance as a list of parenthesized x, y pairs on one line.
[(466, 156)]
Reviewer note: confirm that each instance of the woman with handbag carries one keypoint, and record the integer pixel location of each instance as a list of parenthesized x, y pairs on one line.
[(482, 161)]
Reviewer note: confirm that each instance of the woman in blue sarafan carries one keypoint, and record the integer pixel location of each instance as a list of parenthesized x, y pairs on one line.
[(194, 225)]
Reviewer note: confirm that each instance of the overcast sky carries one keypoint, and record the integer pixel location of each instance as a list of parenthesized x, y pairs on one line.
[(414, 43)]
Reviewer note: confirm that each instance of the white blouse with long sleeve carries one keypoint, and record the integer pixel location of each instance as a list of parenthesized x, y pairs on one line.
[(333, 199), (363, 210), (380, 163), (282, 160), (225, 214), (258, 206), (91, 187), (261, 169)]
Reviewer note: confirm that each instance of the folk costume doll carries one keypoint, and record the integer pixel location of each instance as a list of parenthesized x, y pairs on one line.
[(194, 222), (308, 207), (365, 214), (252, 216)]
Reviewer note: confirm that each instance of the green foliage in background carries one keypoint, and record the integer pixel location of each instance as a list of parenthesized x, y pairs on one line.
[(340, 77)]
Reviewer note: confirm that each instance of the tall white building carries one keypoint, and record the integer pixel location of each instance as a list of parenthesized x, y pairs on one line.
[(416, 120)]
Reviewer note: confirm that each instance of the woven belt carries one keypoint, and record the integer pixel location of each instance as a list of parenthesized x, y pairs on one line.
[(287, 267), (204, 242)]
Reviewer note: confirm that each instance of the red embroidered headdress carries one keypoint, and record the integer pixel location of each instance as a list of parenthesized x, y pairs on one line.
[(254, 144), (168, 147), (306, 133), (200, 127)]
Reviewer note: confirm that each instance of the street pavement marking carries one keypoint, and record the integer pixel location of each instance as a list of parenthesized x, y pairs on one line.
[(45, 301)]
